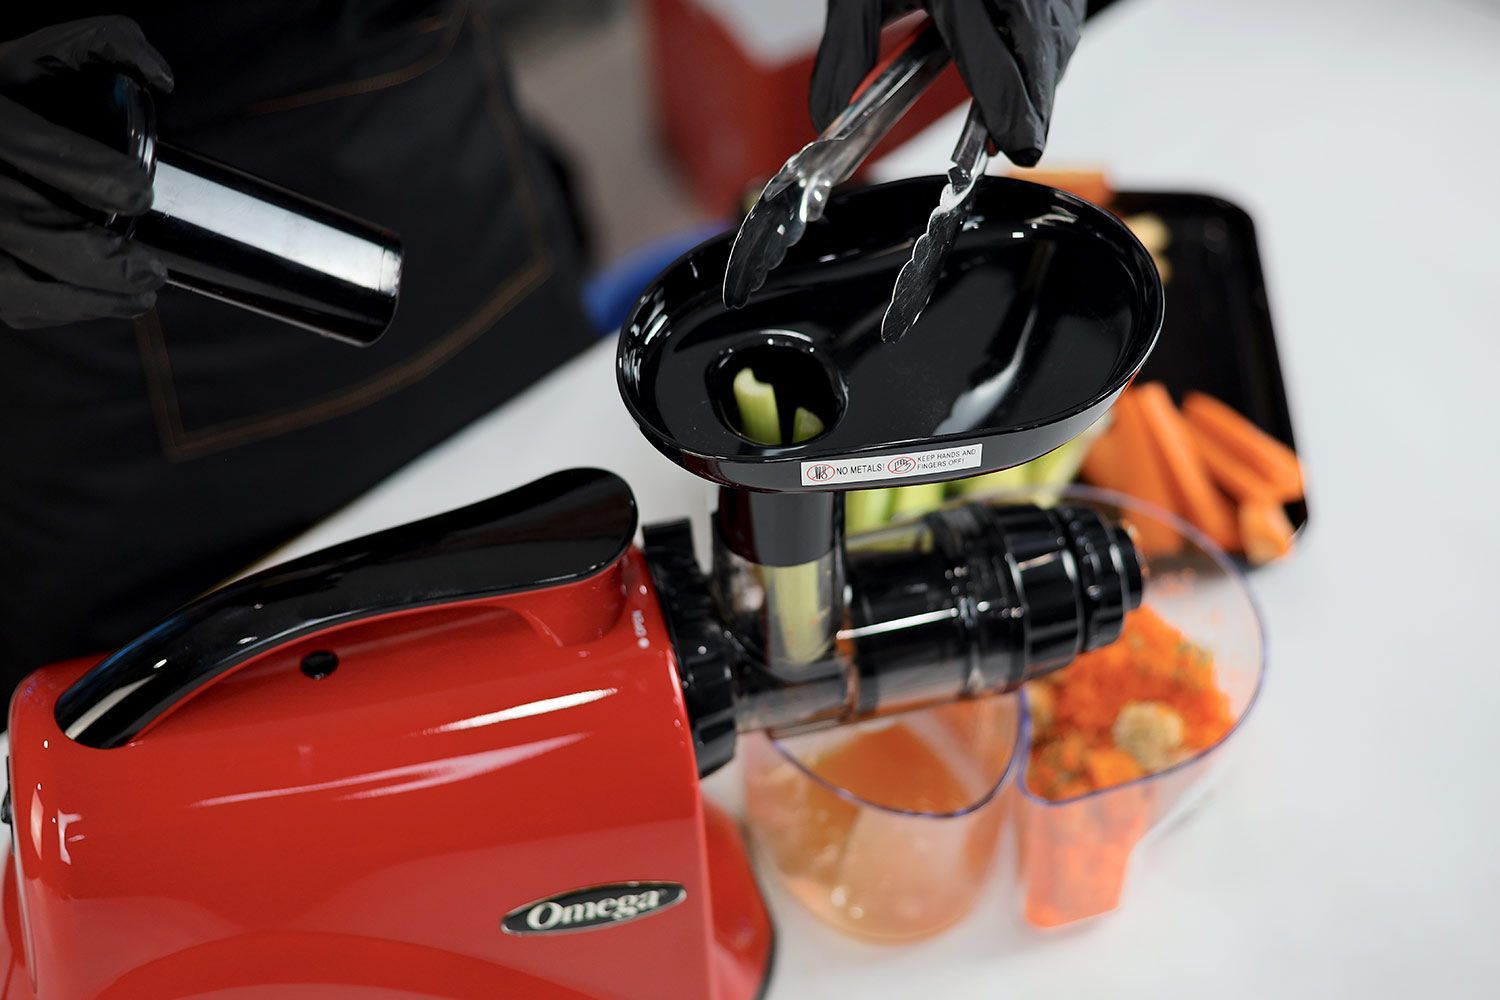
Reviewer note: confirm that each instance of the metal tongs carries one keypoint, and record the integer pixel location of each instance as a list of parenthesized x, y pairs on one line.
[(798, 194)]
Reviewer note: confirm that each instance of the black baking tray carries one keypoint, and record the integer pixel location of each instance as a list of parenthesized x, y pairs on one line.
[(1217, 335)]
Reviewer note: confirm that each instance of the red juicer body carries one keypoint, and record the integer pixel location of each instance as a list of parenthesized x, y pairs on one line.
[(366, 833)]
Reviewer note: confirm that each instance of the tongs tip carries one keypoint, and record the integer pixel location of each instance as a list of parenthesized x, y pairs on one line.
[(918, 277), (734, 296), (896, 323)]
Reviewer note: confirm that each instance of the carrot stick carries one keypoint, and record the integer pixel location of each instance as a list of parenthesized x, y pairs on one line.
[(1197, 498), (1271, 460), (1142, 473), (1266, 531), (1105, 460), (1233, 476)]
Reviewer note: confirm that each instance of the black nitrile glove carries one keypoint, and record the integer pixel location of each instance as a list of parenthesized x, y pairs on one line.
[(56, 265), (1010, 53)]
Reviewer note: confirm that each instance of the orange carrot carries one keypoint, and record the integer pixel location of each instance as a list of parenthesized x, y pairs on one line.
[(1271, 460), (1090, 185), (1108, 767), (1197, 498), (1105, 461), (1153, 662), (1142, 474), (1233, 476), (1074, 859), (1266, 531)]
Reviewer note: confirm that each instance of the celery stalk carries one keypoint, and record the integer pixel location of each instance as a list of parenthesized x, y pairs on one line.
[(804, 639), (801, 611), (760, 420), (1058, 468), (805, 425), (914, 500), (865, 510), (800, 615), (1015, 478)]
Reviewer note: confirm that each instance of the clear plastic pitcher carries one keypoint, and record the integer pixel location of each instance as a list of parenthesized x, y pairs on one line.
[(887, 829)]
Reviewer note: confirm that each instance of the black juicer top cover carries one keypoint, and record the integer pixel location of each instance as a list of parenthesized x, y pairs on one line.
[(1045, 311)]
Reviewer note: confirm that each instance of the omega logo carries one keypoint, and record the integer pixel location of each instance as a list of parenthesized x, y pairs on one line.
[(595, 906)]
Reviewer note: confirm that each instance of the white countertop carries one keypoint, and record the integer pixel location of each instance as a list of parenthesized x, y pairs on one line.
[(1351, 849)]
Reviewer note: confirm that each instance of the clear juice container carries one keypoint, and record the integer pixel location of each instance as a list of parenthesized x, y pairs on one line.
[(1076, 853), (887, 829)]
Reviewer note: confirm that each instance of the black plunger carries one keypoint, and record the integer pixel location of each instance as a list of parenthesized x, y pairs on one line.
[(223, 233)]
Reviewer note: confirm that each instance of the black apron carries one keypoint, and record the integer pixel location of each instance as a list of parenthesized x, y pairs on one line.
[(143, 462)]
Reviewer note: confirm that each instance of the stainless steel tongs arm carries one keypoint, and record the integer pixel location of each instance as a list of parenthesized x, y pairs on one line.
[(875, 110), (918, 276), (798, 194)]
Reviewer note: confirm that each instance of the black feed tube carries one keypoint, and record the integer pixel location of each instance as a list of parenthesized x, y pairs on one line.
[(779, 529), (778, 587)]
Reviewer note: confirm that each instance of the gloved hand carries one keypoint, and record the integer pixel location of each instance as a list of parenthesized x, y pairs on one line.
[(56, 265), (1010, 53)]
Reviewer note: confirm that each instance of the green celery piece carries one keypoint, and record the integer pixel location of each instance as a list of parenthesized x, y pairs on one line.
[(914, 500), (801, 615), (1057, 469), (805, 425), (866, 510), (1060, 465), (1015, 478), (760, 420)]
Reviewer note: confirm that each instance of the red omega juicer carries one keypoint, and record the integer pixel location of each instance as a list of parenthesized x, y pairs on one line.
[(460, 758)]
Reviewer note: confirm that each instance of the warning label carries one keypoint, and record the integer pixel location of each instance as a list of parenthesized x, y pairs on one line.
[(899, 466)]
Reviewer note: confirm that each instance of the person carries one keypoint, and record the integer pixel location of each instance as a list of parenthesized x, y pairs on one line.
[(154, 442), (1010, 53)]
